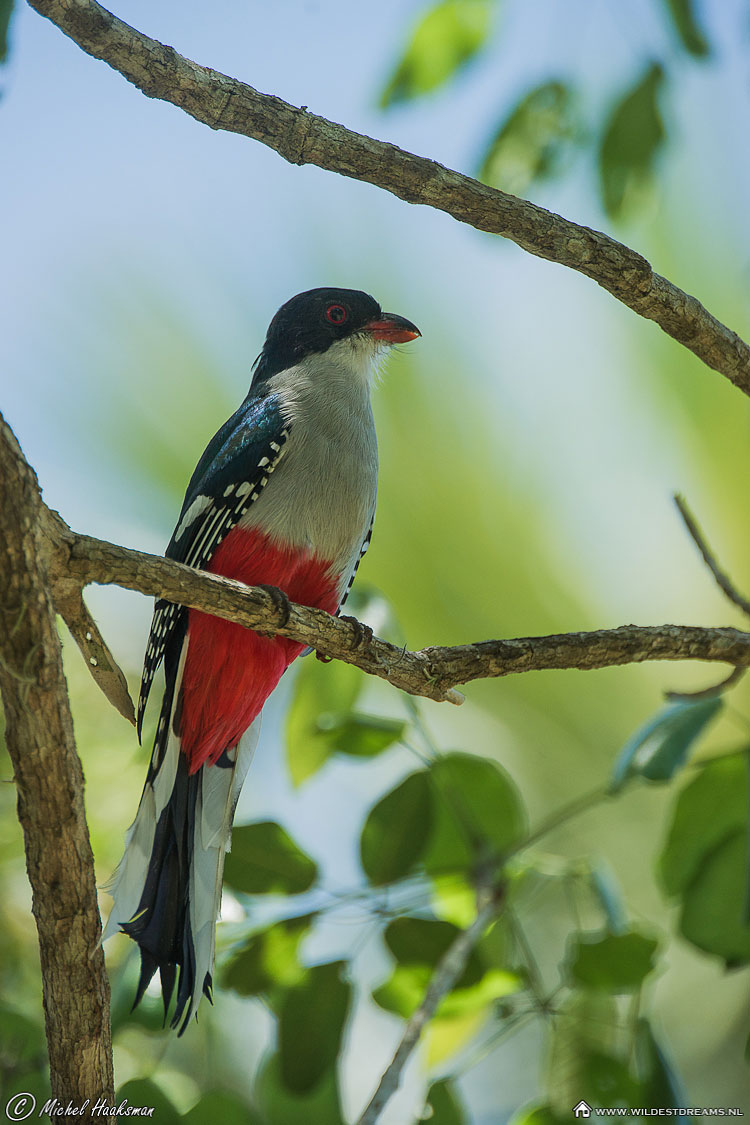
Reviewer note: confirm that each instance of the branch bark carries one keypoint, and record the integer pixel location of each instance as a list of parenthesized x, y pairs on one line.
[(304, 138), (49, 781)]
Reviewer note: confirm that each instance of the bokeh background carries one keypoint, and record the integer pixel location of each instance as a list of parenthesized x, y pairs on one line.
[(531, 442)]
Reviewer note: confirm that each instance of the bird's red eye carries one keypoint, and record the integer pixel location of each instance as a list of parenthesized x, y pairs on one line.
[(337, 314)]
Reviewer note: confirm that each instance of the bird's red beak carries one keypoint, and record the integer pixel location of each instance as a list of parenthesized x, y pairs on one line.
[(392, 329)]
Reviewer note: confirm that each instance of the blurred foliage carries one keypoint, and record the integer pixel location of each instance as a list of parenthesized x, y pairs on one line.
[(447, 37), (537, 136), (633, 134), (6, 10), (533, 139)]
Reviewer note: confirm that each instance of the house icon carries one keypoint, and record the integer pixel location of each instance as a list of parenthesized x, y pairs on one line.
[(582, 1110)]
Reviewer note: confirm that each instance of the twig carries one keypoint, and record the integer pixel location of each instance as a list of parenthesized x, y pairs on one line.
[(303, 138), (99, 660), (722, 580), (448, 971), (706, 693)]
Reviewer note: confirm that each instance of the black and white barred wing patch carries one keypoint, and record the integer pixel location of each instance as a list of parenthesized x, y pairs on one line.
[(230, 476)]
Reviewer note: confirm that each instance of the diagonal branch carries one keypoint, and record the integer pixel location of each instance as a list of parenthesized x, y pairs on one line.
[(303, 138), (444, 978)]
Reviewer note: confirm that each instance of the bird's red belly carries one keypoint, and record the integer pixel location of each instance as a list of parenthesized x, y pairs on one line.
[(229, 670)]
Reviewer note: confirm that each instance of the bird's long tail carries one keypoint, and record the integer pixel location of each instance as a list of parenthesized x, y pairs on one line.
[(167, 887)]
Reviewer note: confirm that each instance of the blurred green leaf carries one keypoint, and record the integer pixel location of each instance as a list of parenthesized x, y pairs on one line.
[(324, 695), (143, 1092), (477, 811), (223, 1109), (614, 963), (714, 905), (704, 862), (265, 860), (311, 1025), (419, 944), (660, 747), (320, 1106), (632, 137), (396, 830), (582, 1060), (443, 42), (404, 990), (268, 959), (532, 139), (709, 810), (6, 8), (424, 941), (661, 1086), (536, 1114), (443, 1106), (687, 27), (365, 736)]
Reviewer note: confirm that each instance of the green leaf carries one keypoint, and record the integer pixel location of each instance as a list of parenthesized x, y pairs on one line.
[(265, 860), (268, 959), (324, 694), (311, 1025), (632, 137), (219, 1107), (6, 8), (691, 34), (365, 736), (396, 830), (660, 747), (714, 905), (321, 1106), (662, 1088), (709, 810), (538, 1114), (613, 963), (532, 140), (405, 989), (443, 1106), (477, 812), (444, 41), (419, 944), (142, 1092), (705, 859), (582, 1059)]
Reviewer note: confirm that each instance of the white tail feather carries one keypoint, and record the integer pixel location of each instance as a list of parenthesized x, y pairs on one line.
[(220, 790)]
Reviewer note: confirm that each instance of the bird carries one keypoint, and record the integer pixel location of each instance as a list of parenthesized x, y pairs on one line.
[(283, 496)]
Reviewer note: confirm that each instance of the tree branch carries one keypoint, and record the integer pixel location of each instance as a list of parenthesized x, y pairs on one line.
[(74, 560), (303, 138), (448, 971), (49, 781)]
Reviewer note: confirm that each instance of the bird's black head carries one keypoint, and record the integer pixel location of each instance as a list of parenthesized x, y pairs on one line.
[(310, 322)]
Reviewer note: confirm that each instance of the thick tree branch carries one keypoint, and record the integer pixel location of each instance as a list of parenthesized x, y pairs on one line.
[(49, 781), (74, 560), (303, 138)]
